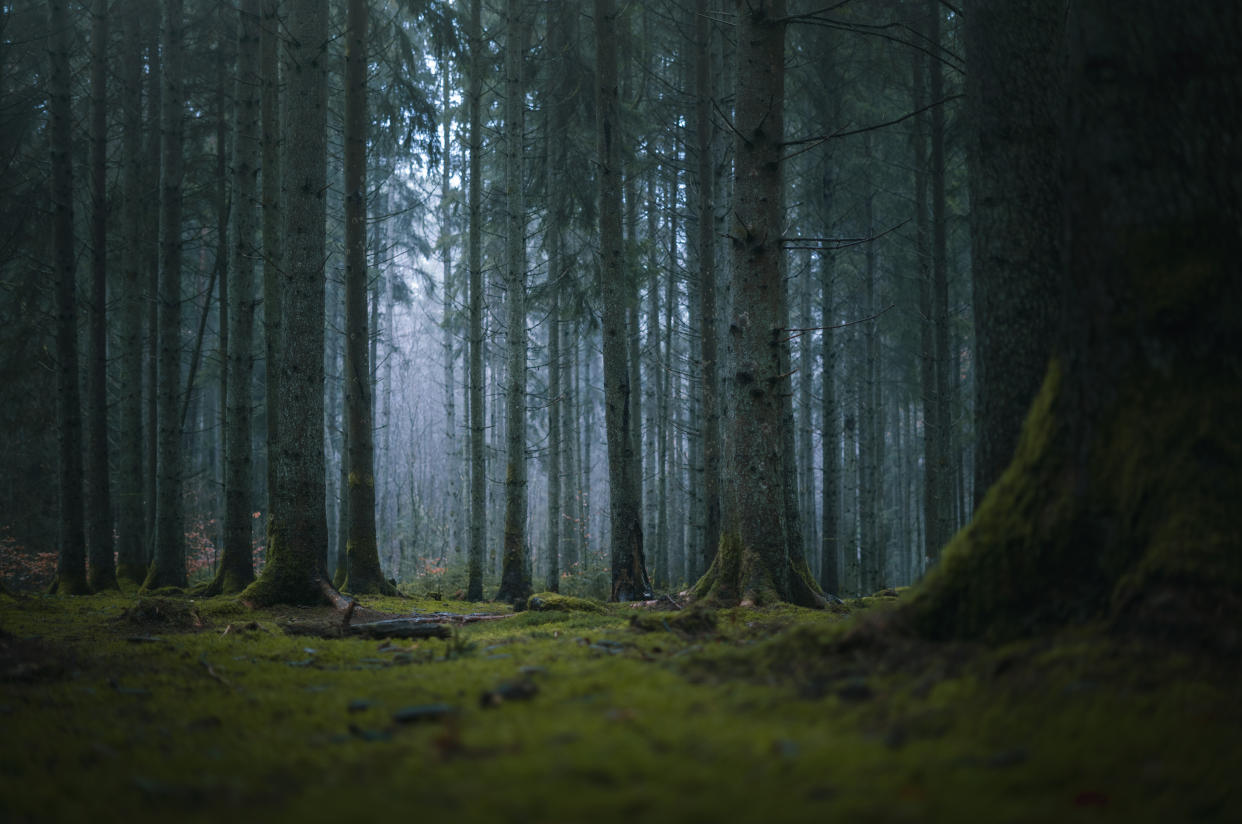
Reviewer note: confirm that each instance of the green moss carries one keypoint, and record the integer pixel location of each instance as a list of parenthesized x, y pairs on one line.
[(781, 714), (552, 601)]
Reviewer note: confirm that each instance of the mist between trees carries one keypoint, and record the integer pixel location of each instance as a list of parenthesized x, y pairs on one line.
[(606, 299)]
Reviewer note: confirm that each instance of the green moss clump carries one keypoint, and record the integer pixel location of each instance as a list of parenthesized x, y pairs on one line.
[(174, 613), (693, 622), (555, 602)]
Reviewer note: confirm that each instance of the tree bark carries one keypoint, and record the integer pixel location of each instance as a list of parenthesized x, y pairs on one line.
[(364, 574), (131, 556), (236, 564), (515, 575), (71, 562), (753, 564), (1015, 194), (102, 567), (297, 525), (1120, 502), (168, 567), (478, 478), (629, 574)]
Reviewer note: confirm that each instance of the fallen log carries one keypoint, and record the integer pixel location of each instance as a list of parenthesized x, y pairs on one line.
[(411, 627)]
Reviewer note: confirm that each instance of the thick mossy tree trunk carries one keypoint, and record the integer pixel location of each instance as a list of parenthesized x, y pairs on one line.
[(236, 570), (753, 563), (297, 525), (1120, 503), (364, 574)]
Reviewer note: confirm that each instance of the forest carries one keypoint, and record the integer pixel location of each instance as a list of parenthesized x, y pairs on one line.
[(666, 409)]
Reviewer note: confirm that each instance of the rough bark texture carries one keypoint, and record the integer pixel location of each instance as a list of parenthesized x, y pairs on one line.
[(753, 563), (131, 555), (71, 563), (629, 574), (102, 567), (273, 219), (1121, 500), (515, 584), (236, 565), (168, 564), (478, 477), (297, 526), (1015, 195), (709, 397), (364, 574)]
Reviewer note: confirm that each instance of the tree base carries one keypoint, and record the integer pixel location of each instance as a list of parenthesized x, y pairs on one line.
[(739, 576), (1138, 529)]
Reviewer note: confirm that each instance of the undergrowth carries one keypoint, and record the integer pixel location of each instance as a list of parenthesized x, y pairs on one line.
[(116, 708)]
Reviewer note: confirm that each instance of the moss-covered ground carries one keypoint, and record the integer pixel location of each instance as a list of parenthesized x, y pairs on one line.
[(178, 710)]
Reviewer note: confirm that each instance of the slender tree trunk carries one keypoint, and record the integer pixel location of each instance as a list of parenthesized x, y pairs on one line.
[(71, 564), (448, 321), (364, 574), (515, 577), (927, 327), (629, 574), (940, 288), (168, 566), (273, 218), (478, 477), (706, 240), (236, 564), (152, 216), (753, 563), (131, 557), (102, 568), (830, 435)]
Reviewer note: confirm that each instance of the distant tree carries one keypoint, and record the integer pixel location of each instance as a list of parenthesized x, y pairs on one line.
[(236, 570), (168, 565), (71, 566), (478, 478), (1120, 501), (102, 568), (131, 552)]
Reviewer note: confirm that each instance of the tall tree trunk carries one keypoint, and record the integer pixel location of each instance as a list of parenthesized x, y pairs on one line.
[(131, 556), (102, 569), (753, 563), (364, 574), (448, 319), (152, 215), (478, 477), (707, 309), (629, 574), (830, 435), (515, 576), (168, 567), (236, 564), (297, 527), (71, 563), (932, 477), (940, 289), (1123, 490), (1015, 187), (273, 219)]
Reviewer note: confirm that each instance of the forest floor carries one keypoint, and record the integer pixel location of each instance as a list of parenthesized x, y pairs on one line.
[(114, 708)]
